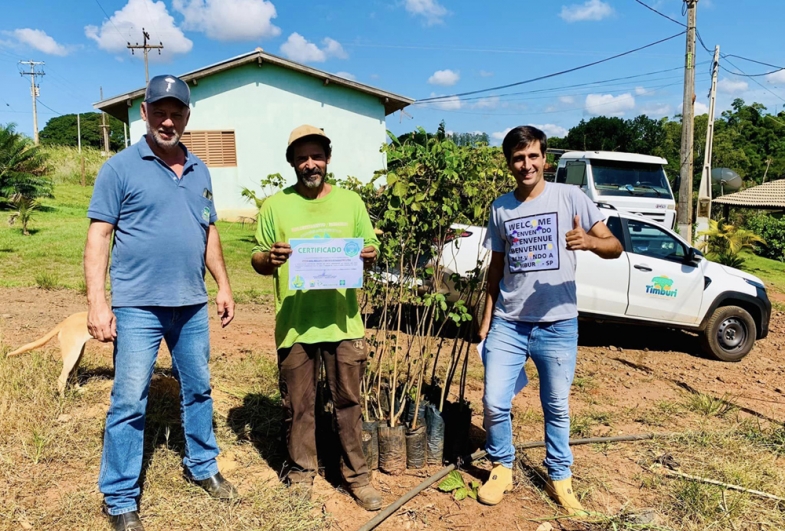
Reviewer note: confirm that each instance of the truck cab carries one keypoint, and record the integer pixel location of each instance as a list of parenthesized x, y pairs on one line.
[(630, 182)]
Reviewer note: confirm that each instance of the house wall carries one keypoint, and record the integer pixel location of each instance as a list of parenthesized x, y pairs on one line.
[(262, 105)]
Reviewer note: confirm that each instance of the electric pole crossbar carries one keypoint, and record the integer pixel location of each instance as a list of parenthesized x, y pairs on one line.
[(145, 49)]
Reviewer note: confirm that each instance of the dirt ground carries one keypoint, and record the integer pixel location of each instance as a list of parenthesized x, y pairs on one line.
[(623, 375)]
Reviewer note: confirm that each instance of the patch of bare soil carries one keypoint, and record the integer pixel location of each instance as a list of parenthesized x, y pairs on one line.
[(625, 380)]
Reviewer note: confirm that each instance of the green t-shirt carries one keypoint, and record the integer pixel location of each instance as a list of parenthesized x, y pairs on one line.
[(313, 316)]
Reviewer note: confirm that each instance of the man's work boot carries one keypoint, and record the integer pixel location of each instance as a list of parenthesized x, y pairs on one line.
[(126, 522), (562, 493), (500, 481), (217, 487), (367, 497)]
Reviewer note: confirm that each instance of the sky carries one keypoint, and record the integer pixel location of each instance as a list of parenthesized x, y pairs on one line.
[(416, 48)]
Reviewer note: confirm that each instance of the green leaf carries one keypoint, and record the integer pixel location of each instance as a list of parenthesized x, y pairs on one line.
[(461, 493), (400, 189), (452, 481)]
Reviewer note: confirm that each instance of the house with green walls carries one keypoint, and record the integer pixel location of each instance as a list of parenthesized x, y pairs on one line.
[(243, 109)]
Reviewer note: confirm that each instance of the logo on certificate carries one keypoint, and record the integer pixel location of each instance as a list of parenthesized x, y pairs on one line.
[(298, 282), (351, 249)]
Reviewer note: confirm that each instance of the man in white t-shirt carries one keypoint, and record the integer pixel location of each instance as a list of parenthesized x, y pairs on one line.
[(531, 309)]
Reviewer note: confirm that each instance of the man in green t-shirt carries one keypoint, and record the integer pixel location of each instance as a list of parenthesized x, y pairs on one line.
[(322, 323)]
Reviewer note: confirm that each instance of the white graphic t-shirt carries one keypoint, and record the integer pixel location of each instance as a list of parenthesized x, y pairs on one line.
[(539, 272)]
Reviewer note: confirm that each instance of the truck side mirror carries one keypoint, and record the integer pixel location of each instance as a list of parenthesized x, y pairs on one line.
[(694, 256), (677, 183)]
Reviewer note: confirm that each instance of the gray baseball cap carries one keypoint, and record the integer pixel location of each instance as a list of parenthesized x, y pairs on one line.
[(161, 87)]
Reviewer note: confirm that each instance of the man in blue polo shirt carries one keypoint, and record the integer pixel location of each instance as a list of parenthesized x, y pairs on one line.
[(156, 197)]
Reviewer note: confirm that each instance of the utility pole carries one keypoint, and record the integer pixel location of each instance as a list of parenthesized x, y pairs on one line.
[(146, 48), (34, 90), (684, 211), (104, 128), (704, 190), (79, 142)]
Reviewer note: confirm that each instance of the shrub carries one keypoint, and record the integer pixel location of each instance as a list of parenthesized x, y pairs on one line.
[(22, 166), (771, 229)]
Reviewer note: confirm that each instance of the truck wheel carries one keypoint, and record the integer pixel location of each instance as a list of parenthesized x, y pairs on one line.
[(730, 333)]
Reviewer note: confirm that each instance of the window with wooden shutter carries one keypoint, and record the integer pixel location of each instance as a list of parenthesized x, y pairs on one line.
[(216, 148)]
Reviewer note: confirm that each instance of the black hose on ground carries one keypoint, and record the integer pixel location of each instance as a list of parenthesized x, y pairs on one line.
[(390, 509)]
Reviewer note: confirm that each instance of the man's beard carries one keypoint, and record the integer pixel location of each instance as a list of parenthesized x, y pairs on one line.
[(160, 142), (311, 179)]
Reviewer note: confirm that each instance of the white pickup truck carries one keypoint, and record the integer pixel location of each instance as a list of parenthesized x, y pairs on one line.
[(659, 280)]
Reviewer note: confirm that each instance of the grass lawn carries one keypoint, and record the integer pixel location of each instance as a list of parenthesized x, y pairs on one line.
[(771, 271), (52, 255)]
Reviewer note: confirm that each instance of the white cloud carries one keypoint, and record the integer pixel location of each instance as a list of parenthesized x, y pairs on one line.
[(657, 110), (590, 10), (485, 73), (229, 20), (127, 23), (552, 130), (346, 75), (487, 103), (297, 48), (333, 48), (431, 10), (732, 86), (445, 78), (38, 40), (609, 105), (641, 91), (499, 135), (776, 78), (567, 100), (451, 103)]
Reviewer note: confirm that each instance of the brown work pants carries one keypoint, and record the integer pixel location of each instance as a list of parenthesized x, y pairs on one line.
[(344, 364)]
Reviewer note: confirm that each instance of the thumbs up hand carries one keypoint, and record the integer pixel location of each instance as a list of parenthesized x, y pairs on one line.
[(577, 239)]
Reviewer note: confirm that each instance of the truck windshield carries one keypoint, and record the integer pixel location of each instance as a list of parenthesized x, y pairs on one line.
[(630, 178)]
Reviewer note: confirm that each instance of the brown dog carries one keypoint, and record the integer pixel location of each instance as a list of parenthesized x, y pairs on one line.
[(73, 335)]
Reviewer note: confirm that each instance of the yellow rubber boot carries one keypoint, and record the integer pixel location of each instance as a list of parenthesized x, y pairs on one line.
[(562, 493), (500, 481)]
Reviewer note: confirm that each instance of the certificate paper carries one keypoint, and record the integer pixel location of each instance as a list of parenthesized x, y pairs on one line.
[(325, 263)]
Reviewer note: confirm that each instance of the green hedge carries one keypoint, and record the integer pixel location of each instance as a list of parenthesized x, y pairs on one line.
[(771, 229)]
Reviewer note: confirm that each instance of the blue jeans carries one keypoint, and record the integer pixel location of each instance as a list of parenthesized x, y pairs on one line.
[(139, 334), (553, 347)]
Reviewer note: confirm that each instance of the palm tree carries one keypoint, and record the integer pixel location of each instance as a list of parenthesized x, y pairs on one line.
[(24, 213), (724, 242), (22, 166)]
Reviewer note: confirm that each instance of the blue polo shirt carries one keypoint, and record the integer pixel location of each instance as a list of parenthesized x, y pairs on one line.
[(161, 225)]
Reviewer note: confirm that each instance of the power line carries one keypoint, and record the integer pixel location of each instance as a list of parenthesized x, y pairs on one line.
[(724, 56), (754, 61), (48, 107), (662, 14), (110, 19), (529, 51), (554, 111), (547, 76), (752, 78), (599, 82)]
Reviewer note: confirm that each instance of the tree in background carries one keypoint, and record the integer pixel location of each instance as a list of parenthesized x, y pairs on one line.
[(62, 131), (603, 133), (22, 167), (470, 139)]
